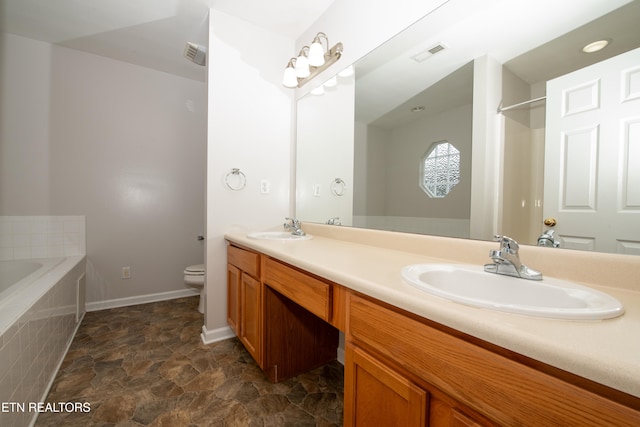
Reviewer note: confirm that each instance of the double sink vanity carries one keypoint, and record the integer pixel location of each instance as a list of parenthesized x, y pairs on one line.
[(417, 356)]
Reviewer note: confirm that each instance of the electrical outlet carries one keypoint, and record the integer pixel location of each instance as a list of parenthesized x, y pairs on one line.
[(126, 272), (265, 186)]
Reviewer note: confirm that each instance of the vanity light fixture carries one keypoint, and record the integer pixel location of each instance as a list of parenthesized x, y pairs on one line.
[(311, 61), (595, 46), (290, 79), (316, 51), (302, 64)]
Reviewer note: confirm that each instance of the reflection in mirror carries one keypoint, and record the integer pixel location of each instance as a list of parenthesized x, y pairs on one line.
[(324, 153), (387, 192), (445, 78), (440, 169)]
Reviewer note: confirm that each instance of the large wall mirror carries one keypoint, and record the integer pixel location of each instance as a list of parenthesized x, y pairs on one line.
[(477, 81)]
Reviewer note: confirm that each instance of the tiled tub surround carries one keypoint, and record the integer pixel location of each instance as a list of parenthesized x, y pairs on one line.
[(38, 318), (370, 261), (38, 324), (23, 237)]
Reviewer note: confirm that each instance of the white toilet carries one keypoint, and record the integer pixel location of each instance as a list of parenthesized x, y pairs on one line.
[(194, 277)]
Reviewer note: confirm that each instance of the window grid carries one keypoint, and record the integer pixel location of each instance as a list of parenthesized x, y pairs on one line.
[(441, 170)]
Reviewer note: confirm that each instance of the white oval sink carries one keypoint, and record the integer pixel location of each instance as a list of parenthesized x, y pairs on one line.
[(277, 235), (553, 298)]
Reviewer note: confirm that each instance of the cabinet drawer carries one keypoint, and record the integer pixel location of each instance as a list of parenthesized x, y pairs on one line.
[(303, 289), (498, 387), (247, 261)]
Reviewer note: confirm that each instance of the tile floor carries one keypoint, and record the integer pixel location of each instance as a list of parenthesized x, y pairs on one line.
[(146, 365)]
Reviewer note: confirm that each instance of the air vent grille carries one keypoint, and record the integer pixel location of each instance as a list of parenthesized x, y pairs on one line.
[(426, 54), (195, 53)]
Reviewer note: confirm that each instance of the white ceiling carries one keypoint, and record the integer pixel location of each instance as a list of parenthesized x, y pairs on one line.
[(149, 33), (536, 40), (152, 33)]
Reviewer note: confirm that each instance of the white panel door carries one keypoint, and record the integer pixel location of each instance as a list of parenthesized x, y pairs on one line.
[(592, 156)]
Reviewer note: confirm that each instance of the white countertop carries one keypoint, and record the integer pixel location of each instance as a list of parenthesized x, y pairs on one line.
[(605, 351)]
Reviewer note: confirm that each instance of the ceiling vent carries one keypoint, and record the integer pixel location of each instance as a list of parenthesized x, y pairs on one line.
[(426, 54), (195, 53)]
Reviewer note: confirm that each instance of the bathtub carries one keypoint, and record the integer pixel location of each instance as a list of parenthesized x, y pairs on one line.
[(41, 306), (16, 274)]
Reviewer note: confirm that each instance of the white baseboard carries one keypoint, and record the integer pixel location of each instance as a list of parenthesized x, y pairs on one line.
[(209, 337), (140, 299)]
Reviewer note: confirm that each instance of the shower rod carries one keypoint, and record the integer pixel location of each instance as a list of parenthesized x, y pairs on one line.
[(520, 104)]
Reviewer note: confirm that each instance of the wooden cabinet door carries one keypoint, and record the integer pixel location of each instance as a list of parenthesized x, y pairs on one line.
[(443, 414), (459, 419), (375, 395), (233, 298), (250, 309)]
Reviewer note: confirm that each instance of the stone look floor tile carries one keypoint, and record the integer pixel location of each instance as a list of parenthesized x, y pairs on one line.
[(145, 365)]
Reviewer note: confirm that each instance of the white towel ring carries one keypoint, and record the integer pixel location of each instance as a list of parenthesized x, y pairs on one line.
[(238, 182), (338, 187)]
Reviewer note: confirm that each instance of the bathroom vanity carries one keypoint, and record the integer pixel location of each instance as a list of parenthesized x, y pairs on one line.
[(284, 317), (415, 359)]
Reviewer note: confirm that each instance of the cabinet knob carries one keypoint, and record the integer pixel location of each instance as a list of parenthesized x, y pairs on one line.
[(550, 222)]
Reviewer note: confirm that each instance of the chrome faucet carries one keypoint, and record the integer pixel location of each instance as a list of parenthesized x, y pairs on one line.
[(506, 260), (548, 239), (334, 221), (294, 226)]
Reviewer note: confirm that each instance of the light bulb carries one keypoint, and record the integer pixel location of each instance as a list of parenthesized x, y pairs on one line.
[(316, 53), (289, 78), (331, 82), (346, 72), (318, 91), (595, 46), (302, 67)]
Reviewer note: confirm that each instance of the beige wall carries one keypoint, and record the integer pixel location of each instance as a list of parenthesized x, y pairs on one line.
[(405, 149), (370, 169), (522, 185), (388, 194), (121, 144), (250, 128), (325, 152), (25, 75)]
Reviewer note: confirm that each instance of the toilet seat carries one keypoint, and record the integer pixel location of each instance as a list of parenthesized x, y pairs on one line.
[(194, 270), (194, 277)]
